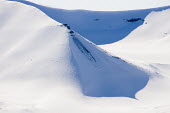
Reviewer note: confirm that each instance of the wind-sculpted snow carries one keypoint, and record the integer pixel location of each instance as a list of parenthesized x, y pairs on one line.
[(148, 46), (83, 49), (101, 75), (46, 67), (149, 43), (53, 51), (100, 27)]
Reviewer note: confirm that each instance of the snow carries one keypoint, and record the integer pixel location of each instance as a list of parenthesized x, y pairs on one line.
[(105, 76), (45, 68), (146, 41), (100, 27), (148, 47)]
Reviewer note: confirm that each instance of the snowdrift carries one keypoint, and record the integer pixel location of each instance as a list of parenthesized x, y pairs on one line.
[(40, 57), (149, 43), (101, 75), (100, 27), (148, 46), (46, 67)]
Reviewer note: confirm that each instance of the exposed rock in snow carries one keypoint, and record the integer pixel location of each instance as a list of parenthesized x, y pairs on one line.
[(109, 27), (46, 67)]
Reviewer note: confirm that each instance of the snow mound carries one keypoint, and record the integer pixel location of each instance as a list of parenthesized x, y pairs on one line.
[(100, 27), (46, 67), (149, 43), (148, 46), (101, 75), (43, 60)]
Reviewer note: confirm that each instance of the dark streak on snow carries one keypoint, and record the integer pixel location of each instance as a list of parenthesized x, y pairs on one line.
[(116, 57), (96, 19), (83, 49), (134, 19)]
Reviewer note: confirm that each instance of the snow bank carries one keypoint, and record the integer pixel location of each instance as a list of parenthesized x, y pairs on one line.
[(148, 46), (100, 27), (45, 67), (148, 43)]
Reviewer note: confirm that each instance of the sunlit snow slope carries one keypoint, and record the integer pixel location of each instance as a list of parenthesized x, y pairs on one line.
[(45, 67), (42, 63), (149, 43), (148, 46)]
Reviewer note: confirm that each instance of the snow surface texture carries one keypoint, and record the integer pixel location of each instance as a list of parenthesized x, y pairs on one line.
[(100, 27), (148, 46), (47, 46), (46, 68)]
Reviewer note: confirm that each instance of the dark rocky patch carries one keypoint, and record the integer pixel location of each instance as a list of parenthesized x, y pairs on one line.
[(71, 32), (83, 49), (134, 19), (67, 26)]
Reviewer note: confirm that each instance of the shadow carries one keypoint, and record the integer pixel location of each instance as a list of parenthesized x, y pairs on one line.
[(100, 27), (101, 75)]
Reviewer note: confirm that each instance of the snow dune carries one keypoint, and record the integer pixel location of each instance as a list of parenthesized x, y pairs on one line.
[(101, 75), (100, 27), (148, 46), (46, 67), (34, 47), (149, 43)]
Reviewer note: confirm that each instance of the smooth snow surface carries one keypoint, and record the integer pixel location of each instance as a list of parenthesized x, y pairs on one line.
[(38, 47), (46, 68), (148, 46), (149, 43), (100, 27), (101, 75)]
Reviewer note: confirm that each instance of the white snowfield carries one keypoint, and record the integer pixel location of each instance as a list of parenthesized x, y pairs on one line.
[(149, 42), (148, 46), (47, 68)]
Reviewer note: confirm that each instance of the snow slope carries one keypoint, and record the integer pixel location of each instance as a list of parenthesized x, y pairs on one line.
[(100, 27), (45, 67), (105, 76), (148, 46), (149, 42)]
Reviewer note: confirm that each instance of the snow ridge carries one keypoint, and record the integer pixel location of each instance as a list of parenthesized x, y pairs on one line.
[(100, 27)]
